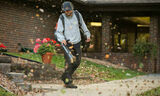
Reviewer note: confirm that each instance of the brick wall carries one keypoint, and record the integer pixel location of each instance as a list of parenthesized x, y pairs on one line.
[(106, 34), (21, 23), (122, 59), (158, 62), (128, 60), (154, 38)]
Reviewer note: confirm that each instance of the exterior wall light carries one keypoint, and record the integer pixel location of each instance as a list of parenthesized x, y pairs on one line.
[(97, 24), (138, 25)]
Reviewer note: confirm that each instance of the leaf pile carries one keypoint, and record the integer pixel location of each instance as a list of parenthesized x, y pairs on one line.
[(6, 83)]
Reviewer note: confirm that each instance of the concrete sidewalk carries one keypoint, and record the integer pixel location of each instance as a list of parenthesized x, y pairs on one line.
[(127, 87)]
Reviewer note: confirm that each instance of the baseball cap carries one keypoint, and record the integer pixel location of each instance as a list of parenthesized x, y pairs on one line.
[(67, 6)]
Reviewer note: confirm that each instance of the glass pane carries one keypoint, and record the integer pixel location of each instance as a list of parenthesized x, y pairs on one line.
[(126, 30)]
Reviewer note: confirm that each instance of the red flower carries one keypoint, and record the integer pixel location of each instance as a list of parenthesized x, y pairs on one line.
[(48, 39), (54, 41), (44, 40), (58, 45), (37, 44), (38, 40), (36, 47), (46, 45), (2, 46)]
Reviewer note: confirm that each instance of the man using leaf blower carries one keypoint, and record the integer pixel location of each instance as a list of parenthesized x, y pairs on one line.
[(69, 35)]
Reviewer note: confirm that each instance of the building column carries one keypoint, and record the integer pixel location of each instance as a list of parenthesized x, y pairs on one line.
[(158, 56), (154, 65), (106, 35)]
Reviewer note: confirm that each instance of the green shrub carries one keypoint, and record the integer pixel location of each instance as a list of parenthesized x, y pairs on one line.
[(142, 49)]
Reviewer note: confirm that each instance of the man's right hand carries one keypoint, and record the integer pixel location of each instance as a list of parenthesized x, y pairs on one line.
[(64, 42)]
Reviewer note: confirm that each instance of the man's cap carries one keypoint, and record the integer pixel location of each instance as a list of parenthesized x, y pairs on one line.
[(67, 6)]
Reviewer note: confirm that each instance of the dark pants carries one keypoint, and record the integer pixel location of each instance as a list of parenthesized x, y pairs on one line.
[(71, 67)]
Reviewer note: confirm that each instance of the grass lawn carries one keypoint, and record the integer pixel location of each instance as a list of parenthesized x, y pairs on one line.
[(87, 68), (153, 92), (5, 93)]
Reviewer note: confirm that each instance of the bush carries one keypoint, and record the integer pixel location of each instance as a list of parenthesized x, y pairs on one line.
[(142, 49)]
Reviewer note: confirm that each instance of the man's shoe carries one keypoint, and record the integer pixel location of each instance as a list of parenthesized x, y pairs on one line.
[(70, 86)]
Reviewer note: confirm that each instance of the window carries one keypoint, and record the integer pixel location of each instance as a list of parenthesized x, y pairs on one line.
[(126, 30), (96, 34)]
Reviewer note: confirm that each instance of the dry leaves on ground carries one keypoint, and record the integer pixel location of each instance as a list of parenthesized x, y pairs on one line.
[(6, 83)]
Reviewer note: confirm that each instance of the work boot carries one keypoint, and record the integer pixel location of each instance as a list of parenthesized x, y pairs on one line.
[(70, 86)]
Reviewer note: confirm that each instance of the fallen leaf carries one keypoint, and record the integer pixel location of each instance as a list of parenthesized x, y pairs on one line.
[(128, 94), (63, 91), (99, 92)]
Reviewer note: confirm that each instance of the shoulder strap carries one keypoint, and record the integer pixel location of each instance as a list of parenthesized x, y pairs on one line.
[(77, 15), (80, 24), (63, 22)]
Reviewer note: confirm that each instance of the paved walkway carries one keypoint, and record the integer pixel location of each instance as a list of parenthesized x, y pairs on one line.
[(127, 87)]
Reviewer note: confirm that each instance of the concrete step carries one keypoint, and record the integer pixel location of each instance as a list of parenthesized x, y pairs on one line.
[(49, 87), (5, 68), (16, 77), (5, 59), (25, 86)]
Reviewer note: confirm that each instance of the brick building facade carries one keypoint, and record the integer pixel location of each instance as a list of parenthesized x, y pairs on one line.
[(23, 23)]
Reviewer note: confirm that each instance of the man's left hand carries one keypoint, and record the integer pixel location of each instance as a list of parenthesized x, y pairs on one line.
[(88, 40)]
